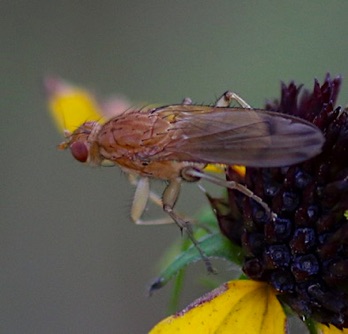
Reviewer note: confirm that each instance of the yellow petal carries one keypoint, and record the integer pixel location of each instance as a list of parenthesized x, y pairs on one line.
[(243, 307), (70, 106), (322, 329)]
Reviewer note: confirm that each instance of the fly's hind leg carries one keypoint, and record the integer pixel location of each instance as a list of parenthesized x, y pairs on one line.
[(170, 196), (226, 98), (190, 172)]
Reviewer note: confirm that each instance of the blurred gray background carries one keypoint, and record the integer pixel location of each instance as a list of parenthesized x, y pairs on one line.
[(71, 260)]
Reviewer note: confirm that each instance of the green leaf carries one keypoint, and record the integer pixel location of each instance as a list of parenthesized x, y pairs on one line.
[(213, 245)]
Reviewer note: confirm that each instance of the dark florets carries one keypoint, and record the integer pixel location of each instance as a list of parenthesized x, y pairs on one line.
[(303, 253)]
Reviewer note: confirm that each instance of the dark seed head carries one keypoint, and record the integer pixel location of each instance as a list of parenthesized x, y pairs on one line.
[(290, 201), (278, 230), (254, 268), (303, 240), (303, 253), (277, 256), (302, 179), (283, 281), (303, 267)]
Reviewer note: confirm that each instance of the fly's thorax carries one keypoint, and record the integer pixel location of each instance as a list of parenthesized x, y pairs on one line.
[(134, 136)]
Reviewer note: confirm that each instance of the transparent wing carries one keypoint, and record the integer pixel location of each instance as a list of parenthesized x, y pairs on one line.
[(250, 137)]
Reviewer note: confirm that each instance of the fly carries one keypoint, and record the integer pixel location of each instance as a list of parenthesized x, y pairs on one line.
[(175, 143)]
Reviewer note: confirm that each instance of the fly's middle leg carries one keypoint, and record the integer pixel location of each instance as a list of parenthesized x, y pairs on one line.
[(170, 196)]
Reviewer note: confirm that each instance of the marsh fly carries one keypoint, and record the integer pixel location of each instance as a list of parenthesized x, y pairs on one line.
[(174, 143)]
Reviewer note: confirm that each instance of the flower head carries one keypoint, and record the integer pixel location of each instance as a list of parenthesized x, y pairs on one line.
[(303, 253)]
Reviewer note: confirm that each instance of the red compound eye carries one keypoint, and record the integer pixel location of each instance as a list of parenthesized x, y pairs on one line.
[(79, 151)]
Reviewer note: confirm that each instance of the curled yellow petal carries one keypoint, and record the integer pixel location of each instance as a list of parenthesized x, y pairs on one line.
[(243, 307), (70, 106), (215, 168), (218, 168), (239, 169)]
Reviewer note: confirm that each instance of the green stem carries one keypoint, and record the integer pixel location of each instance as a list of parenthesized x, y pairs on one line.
[(311, 325), (176, 292)]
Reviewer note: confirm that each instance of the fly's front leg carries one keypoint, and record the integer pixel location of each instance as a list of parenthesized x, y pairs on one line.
[(170, 196), (226, 99), (134, 180), (141, 196)]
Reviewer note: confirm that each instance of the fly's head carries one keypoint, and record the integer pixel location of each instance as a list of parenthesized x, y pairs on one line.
[(83, 144)]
